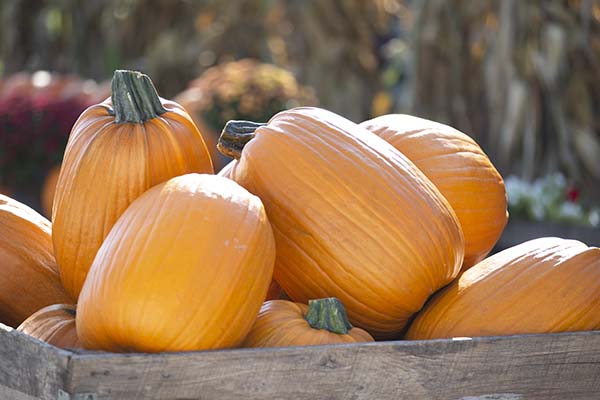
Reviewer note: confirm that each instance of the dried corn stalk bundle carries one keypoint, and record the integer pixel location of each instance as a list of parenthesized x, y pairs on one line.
[(522, 77)]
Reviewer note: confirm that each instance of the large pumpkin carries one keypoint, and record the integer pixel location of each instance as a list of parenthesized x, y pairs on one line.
[(117, 150), (540, 286), (28, 274), (282, 323), (54, 324), (186, 267), (459, 169), (353, 218)]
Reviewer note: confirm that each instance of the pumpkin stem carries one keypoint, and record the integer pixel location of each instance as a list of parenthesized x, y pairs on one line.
[(328, 314), (134, 98), (234, 137)]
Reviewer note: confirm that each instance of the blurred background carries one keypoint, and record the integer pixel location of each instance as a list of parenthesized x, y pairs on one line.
[(521, 77)]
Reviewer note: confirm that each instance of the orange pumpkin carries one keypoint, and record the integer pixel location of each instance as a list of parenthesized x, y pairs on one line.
[(459, 169), (54, 324), (186, 267), (540, 286), (283, 323), (226, 170), (28, 274), (48, 190), (353, 218), (117, 150)]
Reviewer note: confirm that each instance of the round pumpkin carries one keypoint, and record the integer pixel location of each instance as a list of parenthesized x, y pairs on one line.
[(54, 324), (459, 169), (352, 217), (540, 286), (283, 323), (186, 267), (28, 274), (48, 190), (117, 150)]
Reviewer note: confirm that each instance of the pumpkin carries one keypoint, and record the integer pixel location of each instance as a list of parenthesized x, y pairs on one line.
[(540, 286), (28, 274), (226, 170), (48, 190), (186, 267), (459, 169), (283, 323), (352, 217), (53, 324), (274, 291), (117, 150)]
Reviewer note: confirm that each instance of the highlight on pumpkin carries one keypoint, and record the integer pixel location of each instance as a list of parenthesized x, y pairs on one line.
[(283, 323), (54, 325)]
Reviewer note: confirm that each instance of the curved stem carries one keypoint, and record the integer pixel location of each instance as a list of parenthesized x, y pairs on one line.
[(134, 98), (328, 314), (234, 137)]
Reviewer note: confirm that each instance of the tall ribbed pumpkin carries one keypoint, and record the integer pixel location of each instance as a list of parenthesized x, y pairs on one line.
[(186, 267), (540, 286), (459, 169), (117, 150), (28, 274), (353, 218)]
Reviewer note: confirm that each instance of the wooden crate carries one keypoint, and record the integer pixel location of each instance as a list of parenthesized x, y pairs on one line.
[(562, 366)]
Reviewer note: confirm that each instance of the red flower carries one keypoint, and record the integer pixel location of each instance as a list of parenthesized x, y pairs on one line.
[(573, 193)]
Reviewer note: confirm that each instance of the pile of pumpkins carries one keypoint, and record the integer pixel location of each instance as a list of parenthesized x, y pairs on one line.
[(319, 231)]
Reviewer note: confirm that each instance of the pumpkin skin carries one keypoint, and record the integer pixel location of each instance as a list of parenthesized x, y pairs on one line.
[(459, 169), (28, 274), (352, 217), (540, 286), (114, 154), (226, 170), (55, 325), (48, 190), (282, 323), (186, 267)]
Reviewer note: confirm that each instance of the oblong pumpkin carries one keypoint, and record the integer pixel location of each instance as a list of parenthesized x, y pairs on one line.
[(352, 217), (283, 323), (53, 324), (28, 274), (116, 151), (540, 286), (461, 171), (186, 267)]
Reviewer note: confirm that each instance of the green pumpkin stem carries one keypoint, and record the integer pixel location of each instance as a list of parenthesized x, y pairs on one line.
[(134, 98), (328, 314), (234, 137)]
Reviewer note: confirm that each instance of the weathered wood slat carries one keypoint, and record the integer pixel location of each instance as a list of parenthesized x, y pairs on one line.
[(29, 367), (545, 367)]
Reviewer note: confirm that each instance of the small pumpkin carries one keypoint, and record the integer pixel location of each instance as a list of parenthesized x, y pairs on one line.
[(28, 274), (53, 324), (283, 323), (461, 171), (117, 150), (186, 267), (48, 190), (353, 218), (226, 170), (540, 286)]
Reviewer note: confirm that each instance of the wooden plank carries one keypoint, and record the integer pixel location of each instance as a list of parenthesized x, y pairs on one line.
[(30, 367), (545, 367)]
